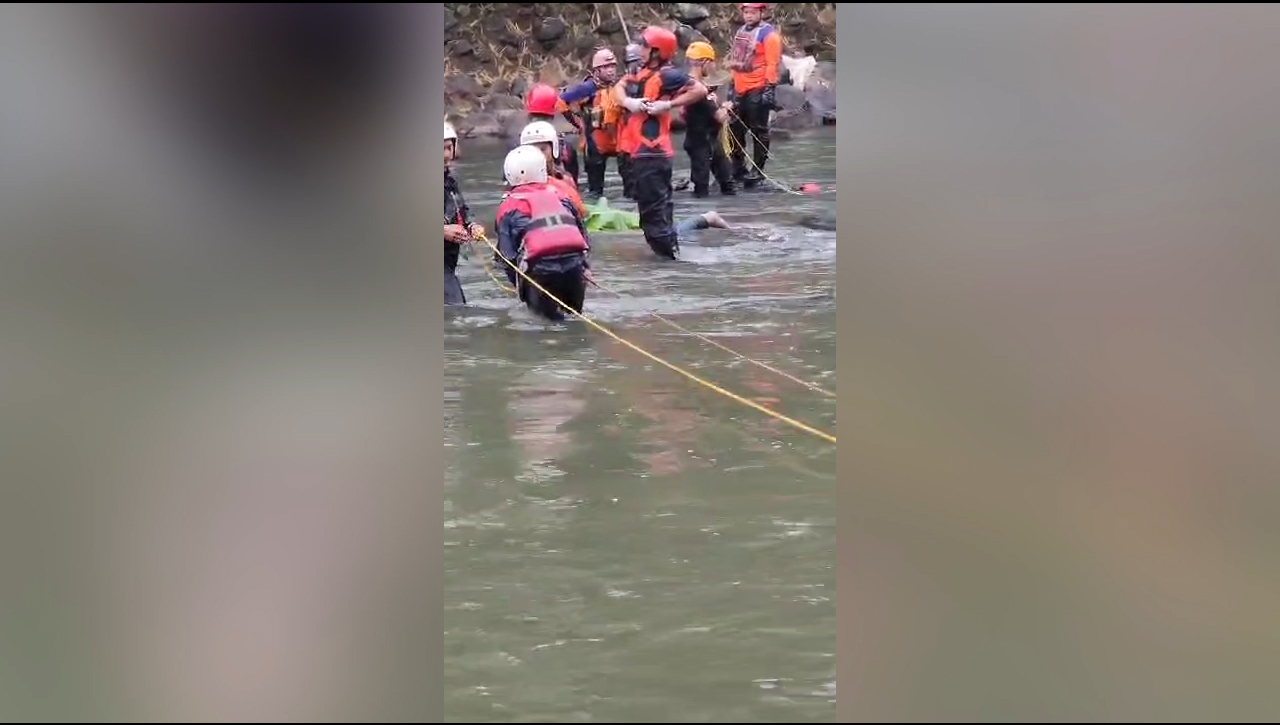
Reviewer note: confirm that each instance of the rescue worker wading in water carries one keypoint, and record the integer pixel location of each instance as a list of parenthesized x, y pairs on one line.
[(539, 232), (458, 227), (541, 103), (704, 122), (599, 117), (625, 135), (542, 136), (753, 60), (649, 95)]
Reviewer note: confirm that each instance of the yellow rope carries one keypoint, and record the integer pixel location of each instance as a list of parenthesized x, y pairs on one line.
[(742, 147), (671, 366), (488, 268), (727, 349)]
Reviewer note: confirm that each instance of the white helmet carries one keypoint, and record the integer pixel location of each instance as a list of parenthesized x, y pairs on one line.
[(449, 133), (541, 132), (525, 165)]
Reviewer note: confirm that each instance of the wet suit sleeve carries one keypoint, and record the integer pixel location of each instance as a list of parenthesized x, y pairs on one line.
[(566, 111), (464, 209), (511, 230), (454, 203), (579, 93), (584, 91)]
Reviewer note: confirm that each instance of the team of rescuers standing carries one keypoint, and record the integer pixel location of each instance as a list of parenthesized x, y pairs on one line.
[(541, 222)]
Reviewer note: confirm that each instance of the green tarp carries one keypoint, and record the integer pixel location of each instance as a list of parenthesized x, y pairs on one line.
[(603, 218)]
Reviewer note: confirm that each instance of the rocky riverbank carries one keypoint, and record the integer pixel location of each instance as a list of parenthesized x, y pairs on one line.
[(495, 51)]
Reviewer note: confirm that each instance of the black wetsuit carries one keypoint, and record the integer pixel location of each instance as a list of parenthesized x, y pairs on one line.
[(706, 154), (456, 211)]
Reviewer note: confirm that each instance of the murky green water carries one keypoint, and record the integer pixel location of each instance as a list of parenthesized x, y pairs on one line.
[(623, 545)]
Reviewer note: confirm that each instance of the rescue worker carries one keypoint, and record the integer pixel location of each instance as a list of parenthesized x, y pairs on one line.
[(458, 227), (541, 103), (542, 136), (540, 233), (704, 122), (632, 57), (598, 115), (754, 61), (649, 95)]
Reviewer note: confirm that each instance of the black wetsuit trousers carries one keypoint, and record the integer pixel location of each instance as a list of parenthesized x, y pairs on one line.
[(651, 177), (453, 294), (707, 159), (564, 276), (752, 115)]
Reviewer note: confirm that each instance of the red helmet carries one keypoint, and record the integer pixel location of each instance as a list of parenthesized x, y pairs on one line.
[(661, 40), (541, 100), (754, 6)]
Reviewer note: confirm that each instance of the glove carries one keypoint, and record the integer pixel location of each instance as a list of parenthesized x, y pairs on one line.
[(634, 105), (657, 107), (769, 98)]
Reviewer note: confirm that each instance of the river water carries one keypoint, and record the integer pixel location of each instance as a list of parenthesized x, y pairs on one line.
[(621, 543)]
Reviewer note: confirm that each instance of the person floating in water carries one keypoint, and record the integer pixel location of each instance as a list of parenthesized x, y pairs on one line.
[(542, 136), (458, 227), (540, 232), (704, 122), (542, 103)]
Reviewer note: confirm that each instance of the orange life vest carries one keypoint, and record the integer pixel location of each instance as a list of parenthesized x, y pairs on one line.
[(746, 47), (552, 229), (626, 134), (568, 189), (648, 135), (606, 115)]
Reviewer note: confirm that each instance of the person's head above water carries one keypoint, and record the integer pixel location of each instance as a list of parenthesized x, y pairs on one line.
[(541, 135), (753, 13), (604, 66), (541, 101), (524, 165), (658, 46), (634, 58), (450, 143), (701, 56)]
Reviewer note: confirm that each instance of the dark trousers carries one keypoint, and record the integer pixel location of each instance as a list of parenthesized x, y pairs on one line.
[(624, 170), (707, 158), (651, 176), (596, 166), (453, 294), (569, 158), (751, 115), (564, 277)]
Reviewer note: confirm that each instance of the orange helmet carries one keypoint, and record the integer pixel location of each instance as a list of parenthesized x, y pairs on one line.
[(541, 100), (662, 40), (699, 50)]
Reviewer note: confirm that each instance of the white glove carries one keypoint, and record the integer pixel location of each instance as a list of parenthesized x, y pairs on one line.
[(656, 107), (635, 105)]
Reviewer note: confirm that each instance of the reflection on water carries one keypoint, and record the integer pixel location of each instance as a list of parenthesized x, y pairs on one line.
[(621, 543), (542, 403)]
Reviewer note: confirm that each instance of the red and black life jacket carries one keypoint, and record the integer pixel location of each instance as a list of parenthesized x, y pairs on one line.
[(552, 229)]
